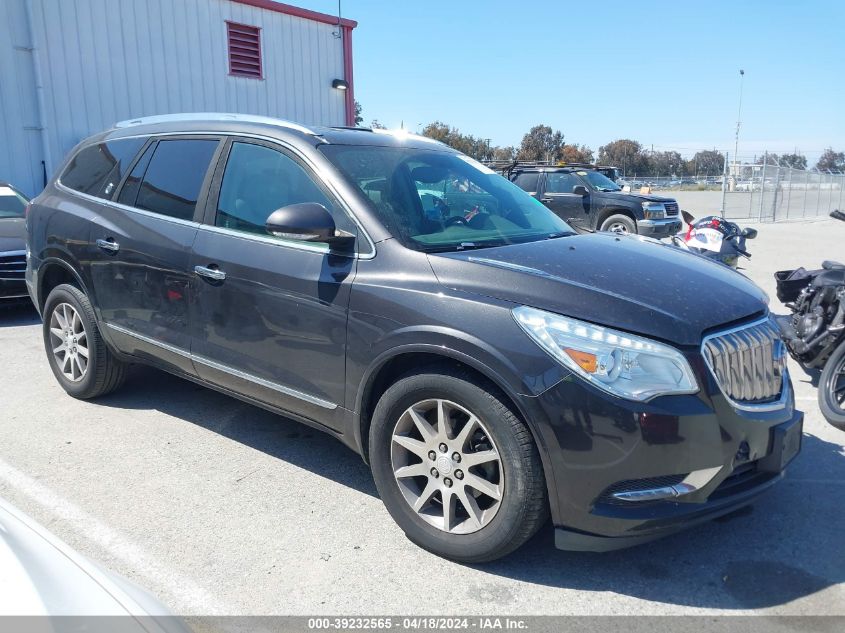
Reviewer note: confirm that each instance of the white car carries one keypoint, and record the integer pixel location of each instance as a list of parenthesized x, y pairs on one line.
[(42, 576)]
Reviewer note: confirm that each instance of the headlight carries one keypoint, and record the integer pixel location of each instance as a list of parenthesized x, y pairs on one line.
[(625, 365), (653, 211)]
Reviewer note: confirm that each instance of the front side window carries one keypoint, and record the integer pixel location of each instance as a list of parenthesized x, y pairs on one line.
[(561, 182), (600, 181), (436, 200), (259, 180), (173, 179), (98, 169), (12, 204), (527, 181)]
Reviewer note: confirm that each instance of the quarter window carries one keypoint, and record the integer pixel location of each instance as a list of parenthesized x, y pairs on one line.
[(172, 182), (98, 169), (257, 181), (561, 182)]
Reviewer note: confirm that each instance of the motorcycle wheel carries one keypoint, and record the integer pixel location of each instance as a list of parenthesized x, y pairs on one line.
[(832, 388)]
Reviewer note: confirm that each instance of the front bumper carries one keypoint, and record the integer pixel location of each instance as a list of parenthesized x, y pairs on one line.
[(597, 445), (13, 289), (659, 228)]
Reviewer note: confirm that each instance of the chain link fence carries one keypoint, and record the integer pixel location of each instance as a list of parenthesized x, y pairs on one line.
[(761, 190), (770, 192)]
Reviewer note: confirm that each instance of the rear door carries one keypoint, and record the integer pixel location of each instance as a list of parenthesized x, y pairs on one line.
[(142, 244), (557, 196), (270, 320)]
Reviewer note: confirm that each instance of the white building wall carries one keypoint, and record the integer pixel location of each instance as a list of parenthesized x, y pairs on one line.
[(103, 61)]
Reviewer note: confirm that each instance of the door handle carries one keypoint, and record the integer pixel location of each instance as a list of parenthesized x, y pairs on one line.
[(108, 245), (210, 273), (547, 199)]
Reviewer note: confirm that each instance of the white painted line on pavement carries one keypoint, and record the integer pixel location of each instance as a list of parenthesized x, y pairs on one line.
[(188, 596)]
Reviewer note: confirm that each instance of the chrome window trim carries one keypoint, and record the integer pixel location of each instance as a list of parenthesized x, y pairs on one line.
[(785, 391), (237, 373), (314, 247), (124, 207), (233, 136)]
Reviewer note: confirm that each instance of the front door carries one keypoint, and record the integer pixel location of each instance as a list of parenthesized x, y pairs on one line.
[(140, 272), (558, 196), (269, 320)]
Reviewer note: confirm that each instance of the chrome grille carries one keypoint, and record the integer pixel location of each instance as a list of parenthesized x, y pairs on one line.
[(12, 265), (748, 362), (671, 208)]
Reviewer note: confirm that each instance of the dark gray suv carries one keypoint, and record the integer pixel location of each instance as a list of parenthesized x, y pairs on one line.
[(490, 365)]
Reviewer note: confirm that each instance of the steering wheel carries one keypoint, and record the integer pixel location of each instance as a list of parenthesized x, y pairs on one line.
[(455, 219)]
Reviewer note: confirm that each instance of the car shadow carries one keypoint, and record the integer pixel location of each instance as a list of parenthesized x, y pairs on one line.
[(275, 435), (15, 313), (786, 546)]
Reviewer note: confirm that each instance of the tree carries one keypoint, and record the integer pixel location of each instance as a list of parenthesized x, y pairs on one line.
[(796, 161), (665, 163), (831, 161), (504, 153), (541, 143), (375, 125), (478, 148), (708, 163), (358, 118), (577, 154), (626, 154)]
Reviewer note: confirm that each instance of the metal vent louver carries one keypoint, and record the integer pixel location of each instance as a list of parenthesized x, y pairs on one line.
[(749, 362), (244, 50)]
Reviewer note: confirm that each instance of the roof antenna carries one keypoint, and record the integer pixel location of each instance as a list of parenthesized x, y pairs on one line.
[(339, 32)]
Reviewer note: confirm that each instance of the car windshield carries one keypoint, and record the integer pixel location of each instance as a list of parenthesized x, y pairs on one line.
[(439, 201), (12, 204), (600, 181)]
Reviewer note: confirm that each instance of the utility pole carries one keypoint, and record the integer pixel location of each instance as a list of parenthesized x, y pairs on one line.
[(738, 119)]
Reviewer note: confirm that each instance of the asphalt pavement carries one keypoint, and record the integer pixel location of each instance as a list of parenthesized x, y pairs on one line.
[(218, 507)]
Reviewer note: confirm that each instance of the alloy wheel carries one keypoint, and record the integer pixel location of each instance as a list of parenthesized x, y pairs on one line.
[(69, 342), (447, 466), (618, 227)]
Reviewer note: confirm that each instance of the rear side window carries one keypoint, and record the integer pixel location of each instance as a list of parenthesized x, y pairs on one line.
[(173, 179), (527, 181), (97, 169)]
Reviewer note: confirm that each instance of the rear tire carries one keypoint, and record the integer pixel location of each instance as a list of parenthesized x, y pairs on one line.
[(619, 224), (82, 363), (430, 411), (832, 388)]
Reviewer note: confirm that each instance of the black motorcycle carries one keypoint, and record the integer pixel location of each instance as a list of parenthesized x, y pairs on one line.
[(815, 331)]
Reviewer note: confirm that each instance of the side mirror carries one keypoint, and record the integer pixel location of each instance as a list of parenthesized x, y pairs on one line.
[(749, 233), (580, 190), (688, 217), (308, 222)]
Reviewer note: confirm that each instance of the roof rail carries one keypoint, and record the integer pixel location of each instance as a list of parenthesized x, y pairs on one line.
[(214, 116)]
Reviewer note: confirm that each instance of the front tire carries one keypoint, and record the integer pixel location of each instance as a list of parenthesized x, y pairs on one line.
[(619, 223), (832, 388), (455, 467), (82, 363)]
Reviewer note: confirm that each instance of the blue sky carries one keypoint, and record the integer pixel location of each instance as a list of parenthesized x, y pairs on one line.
[(663, 73)]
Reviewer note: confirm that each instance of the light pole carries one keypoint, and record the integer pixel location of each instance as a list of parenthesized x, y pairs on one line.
[(738, 120)]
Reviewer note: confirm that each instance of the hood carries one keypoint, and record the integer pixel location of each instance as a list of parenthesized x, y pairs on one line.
[(12, 234), (625, 282), (636, 196)]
